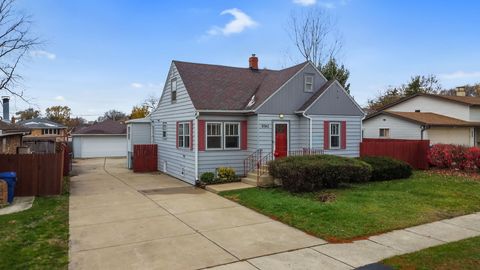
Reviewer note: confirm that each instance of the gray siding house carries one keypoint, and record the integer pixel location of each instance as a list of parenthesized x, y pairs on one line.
[(212, 116)]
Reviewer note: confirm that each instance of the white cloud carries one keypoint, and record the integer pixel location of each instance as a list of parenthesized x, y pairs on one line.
[(136, 85), (59, 98), (460, 75), (305, 2), (327, 5), (43, 54), (240, 22)]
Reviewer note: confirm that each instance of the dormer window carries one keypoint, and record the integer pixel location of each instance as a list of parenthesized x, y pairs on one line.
[(173, 89), (308, 83)]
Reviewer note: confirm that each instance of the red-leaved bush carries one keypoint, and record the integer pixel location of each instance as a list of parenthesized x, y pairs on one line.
[(454, 157)]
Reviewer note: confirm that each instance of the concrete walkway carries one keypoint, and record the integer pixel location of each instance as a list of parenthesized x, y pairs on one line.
[(121, 220)]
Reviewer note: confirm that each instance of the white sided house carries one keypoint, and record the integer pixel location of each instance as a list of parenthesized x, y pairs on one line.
[(440, 119), (212, 116)]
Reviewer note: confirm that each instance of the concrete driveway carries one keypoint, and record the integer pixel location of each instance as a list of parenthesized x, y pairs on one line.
[(122, 220)]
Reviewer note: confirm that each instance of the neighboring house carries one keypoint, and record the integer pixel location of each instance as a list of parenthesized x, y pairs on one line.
[(139, 131), (440, 119), (42, 128), (11, 137), (104, 139), (10, 134), (211, 116)]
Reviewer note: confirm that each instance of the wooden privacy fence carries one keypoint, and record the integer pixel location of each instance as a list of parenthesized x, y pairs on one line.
[(145, 158), (414, 152), (37, 174)]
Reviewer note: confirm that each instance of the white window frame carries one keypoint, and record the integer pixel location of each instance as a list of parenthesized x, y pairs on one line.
[(181, 126), (384, 129), (164, 130), (221, 135), (310, 84), (339, 135), (173, 82), (225, 136)]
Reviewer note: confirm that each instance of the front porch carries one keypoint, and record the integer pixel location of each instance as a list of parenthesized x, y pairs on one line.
[(256, 165)]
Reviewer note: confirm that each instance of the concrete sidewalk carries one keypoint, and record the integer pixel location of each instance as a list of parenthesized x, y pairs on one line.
[(121, 220)]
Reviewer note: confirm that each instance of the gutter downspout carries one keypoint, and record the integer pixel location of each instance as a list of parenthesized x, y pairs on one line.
[(422, 129), (196, 145), (311, 129)]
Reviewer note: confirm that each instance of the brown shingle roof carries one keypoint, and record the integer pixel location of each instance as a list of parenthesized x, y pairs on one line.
[(214, 87), (432, 119), (105, 127), (316, 95), (12, 128)]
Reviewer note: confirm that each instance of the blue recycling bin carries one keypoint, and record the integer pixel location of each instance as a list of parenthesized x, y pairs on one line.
[(11, 179)]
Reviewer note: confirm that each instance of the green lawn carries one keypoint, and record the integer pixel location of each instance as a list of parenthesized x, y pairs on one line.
[(463, 254), (367, 209), (36, 238)]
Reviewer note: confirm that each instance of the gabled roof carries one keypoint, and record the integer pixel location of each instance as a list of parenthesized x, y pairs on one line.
[(430, 119), (470, 101), (315, 96), (107, 127), (12, 128), (215, 87), (40, 123)]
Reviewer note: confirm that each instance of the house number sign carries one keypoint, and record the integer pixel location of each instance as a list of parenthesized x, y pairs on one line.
[(265, 126)]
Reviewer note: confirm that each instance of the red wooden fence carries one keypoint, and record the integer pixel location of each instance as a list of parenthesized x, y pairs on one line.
[(145, 158), (37, 174), (414, 152)]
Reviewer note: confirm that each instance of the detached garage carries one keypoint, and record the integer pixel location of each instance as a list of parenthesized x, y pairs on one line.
[(104, 139)]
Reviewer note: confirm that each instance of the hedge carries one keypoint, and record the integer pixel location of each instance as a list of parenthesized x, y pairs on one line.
[(452, 156), (311, 173), (386, 168)]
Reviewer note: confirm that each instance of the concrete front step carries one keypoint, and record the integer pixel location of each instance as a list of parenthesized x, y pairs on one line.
[(264, 180)]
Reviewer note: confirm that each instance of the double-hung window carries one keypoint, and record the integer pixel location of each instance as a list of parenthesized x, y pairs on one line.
[(384, 132), (308, 83), (173, 89), (214, 135), (334, 135), (183, 135), (164, 129), (232, 135)]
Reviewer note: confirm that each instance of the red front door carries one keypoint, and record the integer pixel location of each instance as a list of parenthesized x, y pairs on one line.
[(281, 140)]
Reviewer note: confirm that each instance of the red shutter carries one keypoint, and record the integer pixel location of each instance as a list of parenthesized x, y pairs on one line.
[(244, 135), (343, 135), (326, 135), (176, 136), (191, 134), (201, 135)]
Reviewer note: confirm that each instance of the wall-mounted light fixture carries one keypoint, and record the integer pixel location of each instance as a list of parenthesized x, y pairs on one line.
[(281, 116)]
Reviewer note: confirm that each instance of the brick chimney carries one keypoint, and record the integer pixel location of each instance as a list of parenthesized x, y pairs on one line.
[(460, 91), (253, 62)]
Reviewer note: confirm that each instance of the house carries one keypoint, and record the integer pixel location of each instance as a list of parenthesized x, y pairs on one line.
[(41, 128), (139, 131), (103, 139), (211, 116), (440, 119), (11, 137), (10, 134)]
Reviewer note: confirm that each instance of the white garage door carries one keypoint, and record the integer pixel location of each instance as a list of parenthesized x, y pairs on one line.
[(99, 146)]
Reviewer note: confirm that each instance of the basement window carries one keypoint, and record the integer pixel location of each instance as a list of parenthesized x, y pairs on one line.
[(384, 133)]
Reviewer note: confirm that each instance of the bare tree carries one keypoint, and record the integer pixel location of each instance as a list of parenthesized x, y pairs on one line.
[(314, 35), (15, 42), (151, 102)]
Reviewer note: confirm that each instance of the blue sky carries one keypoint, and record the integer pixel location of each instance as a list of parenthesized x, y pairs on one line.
[(112, 54)]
